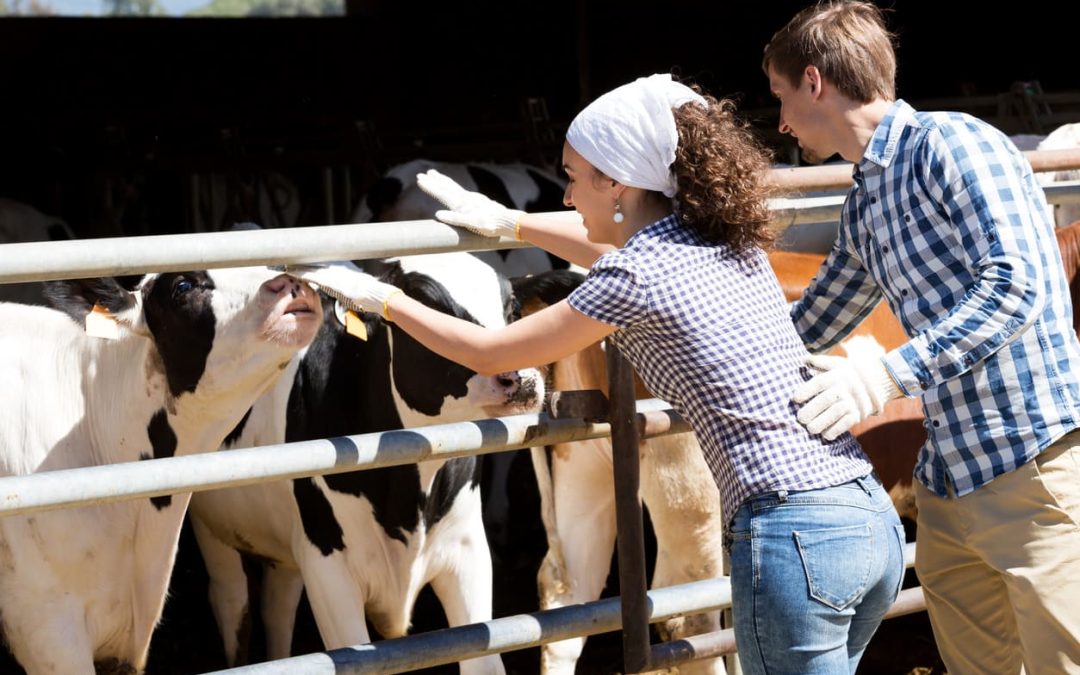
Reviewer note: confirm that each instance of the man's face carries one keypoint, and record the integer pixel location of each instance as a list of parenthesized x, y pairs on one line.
[(800, 115)]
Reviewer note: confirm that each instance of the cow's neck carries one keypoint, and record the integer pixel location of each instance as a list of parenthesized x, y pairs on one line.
[(137, 417)]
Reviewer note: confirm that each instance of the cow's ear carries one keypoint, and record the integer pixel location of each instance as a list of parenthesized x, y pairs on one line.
[(78, 297), (537, 291)]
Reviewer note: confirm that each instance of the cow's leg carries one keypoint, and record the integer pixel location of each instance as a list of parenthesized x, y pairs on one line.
[(336, 600), (228, 591), (282, 587), (584, 494), (684, 506), (463, 586)]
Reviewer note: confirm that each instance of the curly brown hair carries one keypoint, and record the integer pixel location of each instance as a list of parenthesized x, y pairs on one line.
[(721, 169)]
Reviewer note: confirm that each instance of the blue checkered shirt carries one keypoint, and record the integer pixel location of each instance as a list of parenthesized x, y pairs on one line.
[(946, 221), (708, 331)]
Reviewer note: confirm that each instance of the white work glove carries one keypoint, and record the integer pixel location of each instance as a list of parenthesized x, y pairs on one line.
[(471, 210), (844, 394), (345, 282)]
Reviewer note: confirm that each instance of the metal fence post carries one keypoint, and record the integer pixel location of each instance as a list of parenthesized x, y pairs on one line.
[(628, 516)]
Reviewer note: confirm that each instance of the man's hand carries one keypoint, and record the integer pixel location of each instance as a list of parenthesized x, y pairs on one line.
[(844, 394), (471, 210)]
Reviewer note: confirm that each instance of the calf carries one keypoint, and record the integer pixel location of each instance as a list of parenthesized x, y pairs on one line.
[(365, 543), (396, 197), (84, 587)]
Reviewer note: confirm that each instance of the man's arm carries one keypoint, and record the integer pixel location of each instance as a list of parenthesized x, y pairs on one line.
[(979, 184)]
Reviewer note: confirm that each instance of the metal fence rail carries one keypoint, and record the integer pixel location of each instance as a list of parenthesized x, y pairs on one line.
[(230, 468), (508, 634)]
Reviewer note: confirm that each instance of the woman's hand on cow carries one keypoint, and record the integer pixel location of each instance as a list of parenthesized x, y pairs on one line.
[(471, 210), (347, 283)]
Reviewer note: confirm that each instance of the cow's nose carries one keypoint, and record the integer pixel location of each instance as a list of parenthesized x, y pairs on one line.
[(517, 388), (283, 283), (510, 381), (278, 283)]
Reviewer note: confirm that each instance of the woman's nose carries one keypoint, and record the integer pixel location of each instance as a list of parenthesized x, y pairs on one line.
[(566, 200)]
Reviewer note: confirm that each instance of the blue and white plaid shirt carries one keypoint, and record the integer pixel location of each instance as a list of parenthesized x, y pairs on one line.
[(946, 220), (708, 331)]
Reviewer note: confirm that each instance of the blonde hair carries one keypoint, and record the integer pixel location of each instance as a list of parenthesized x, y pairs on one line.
[(846, 40)]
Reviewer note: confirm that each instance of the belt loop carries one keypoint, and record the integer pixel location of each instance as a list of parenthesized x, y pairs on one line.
[(781, 495), (866, 484)]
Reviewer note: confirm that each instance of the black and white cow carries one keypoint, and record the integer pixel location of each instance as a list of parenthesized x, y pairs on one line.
[(396, 197), (364, 544), (191, 352), (21, 223)]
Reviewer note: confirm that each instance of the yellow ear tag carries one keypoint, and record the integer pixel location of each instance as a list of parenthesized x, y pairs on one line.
[(355, 326), (100, 323)]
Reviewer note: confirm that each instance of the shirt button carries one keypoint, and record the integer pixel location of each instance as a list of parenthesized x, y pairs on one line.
[(937, 423), (873, 200), (903, 291), (884, 248), (907, 217), (922, 383)]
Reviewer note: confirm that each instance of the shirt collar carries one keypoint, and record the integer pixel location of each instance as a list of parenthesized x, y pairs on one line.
[(668, 222), (882, 147)]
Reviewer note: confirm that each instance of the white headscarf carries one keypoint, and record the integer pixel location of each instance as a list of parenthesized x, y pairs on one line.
[(629, 133)]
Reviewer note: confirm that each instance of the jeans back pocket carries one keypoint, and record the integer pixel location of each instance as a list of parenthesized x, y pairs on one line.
[(838, 562)]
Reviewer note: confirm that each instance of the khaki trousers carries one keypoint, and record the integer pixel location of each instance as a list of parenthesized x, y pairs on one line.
[(1000, 568)]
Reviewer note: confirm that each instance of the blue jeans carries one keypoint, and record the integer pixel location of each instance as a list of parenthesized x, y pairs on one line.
[(812, 574)]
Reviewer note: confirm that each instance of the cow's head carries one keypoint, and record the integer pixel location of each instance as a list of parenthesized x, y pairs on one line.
[(210, 328), (426, 385)]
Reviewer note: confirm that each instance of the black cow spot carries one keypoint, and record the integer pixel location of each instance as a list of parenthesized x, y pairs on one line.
[(113, 667), (394, 493), (163, 442), (452, 478), (423, 378), (382, 195), (490, 185), (317, 516), (234, 435), (76, 297), (181, 318)]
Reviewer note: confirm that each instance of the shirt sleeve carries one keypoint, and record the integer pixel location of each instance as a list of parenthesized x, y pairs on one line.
[(979, 183), (839, 298), (613, 292)]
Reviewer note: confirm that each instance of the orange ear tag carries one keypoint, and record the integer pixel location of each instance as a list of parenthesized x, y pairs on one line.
[(355, 326), (101, 323)]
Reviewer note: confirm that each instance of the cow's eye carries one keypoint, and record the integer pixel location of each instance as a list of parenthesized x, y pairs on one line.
[(182, 285)]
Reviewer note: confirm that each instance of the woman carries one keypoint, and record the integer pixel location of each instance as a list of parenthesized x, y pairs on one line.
[(670, 190)]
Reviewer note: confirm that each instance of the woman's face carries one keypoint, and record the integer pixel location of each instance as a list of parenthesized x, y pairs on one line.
[(591, 194)]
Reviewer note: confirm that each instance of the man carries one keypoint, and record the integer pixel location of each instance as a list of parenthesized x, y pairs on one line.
[(946, 222)]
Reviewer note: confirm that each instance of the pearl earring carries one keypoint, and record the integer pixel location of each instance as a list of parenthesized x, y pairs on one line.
[(618, 217)]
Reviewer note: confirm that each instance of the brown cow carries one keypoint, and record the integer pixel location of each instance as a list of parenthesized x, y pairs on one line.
[(1068, 239)]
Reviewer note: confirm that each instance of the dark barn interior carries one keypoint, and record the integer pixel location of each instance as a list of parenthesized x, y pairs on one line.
[(129, 126)]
